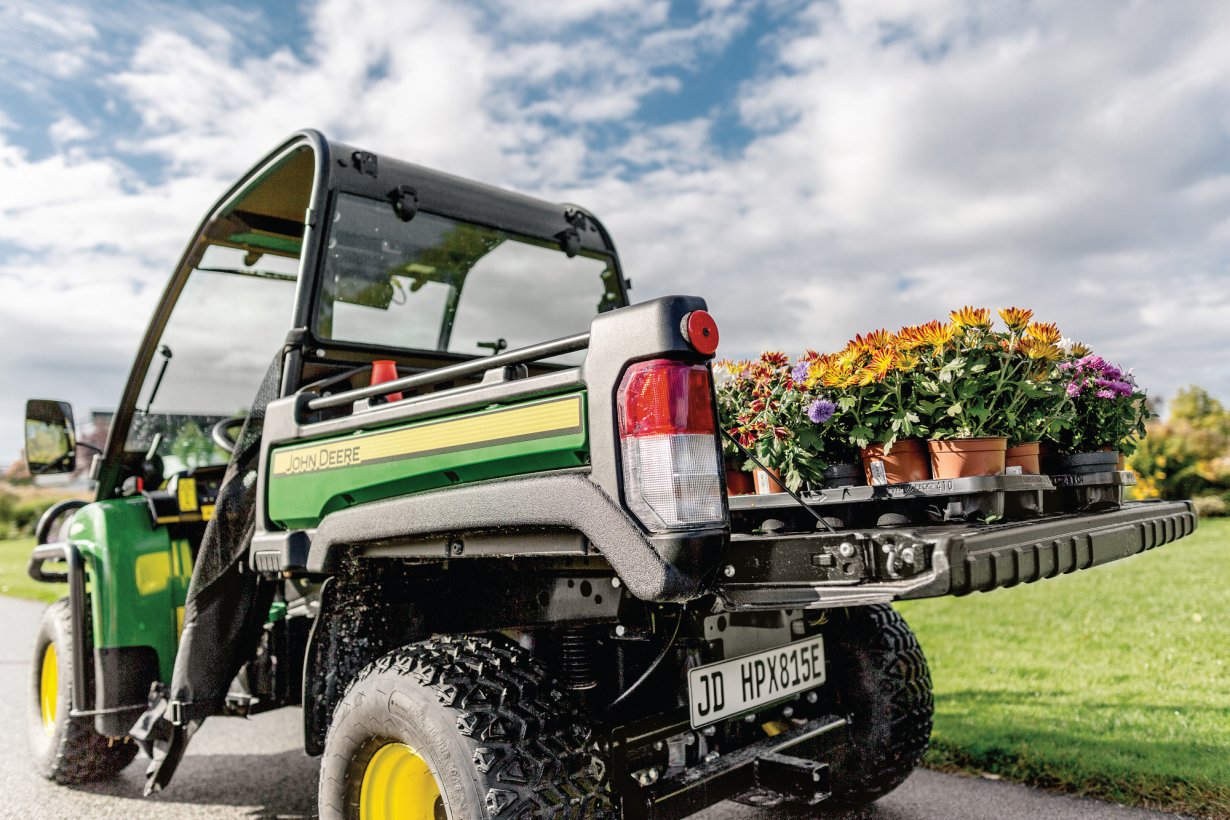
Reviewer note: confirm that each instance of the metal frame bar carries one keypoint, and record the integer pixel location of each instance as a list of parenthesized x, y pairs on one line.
[(75, 576), (523, 355)]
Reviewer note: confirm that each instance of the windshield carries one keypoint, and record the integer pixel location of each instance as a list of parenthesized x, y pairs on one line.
[(434, 283), (229, 323)]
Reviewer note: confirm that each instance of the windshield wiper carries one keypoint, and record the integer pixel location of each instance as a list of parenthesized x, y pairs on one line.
[(259, 274), (165, 352)]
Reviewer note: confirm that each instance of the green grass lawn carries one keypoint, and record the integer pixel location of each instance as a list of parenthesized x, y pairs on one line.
[(1113, 682), (14, 558)]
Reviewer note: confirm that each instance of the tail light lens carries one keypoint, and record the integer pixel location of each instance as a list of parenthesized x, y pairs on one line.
[(667, 430)]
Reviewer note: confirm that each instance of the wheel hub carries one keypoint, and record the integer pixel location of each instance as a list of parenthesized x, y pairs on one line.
[(399, 784), (49, 689)]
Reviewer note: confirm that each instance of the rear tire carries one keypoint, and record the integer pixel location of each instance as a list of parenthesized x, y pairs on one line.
[(880, 678), (497, 735), (66, 749)]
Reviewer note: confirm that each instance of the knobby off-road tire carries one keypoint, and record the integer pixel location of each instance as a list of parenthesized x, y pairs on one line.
[(880, 678), (66, 749), (500, 737)]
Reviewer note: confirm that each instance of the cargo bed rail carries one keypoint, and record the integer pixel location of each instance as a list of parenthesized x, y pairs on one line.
[(882, 564)]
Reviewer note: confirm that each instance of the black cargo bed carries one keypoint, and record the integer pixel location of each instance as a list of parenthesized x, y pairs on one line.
[(880, 564)]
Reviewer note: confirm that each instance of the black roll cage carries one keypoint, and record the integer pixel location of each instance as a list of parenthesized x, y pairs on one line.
[(340, 168)]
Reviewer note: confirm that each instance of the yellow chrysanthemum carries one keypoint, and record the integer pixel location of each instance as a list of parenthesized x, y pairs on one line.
[(1047, 332), (1036, 349), (1016, 318), (971, 317), (882, 362), (906, 362), (1080, 350)]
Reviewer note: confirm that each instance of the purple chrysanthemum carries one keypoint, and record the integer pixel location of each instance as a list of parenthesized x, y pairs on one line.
[(1074, 389), (799, 373), (821, 410), (1106, 394)]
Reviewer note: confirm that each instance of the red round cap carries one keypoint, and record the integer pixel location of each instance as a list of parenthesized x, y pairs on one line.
[(701, 331)]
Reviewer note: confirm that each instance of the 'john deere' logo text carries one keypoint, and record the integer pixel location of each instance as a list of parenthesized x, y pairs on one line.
[(321, 459)]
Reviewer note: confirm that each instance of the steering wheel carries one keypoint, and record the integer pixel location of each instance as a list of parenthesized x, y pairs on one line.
[(222, 433)]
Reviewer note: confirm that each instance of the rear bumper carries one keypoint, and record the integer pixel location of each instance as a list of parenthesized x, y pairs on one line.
[(882, 564)]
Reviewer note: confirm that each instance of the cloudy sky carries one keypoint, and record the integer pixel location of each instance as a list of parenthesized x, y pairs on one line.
[(812, 169)]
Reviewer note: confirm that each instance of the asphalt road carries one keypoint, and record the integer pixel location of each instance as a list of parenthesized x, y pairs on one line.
[(257, 768)]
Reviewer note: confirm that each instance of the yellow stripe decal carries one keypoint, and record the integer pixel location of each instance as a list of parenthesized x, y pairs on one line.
[(552, 418)]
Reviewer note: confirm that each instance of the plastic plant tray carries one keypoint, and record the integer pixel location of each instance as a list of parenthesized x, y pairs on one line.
[(1093, 492), (936, 489)]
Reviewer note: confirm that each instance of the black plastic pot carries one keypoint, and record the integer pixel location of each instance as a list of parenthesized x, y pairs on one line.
[(842, 475), (1101, 461)]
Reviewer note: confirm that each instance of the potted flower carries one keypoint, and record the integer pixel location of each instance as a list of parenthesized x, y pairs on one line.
[(822, 427), (754, 408), (873, 377), (733, 385), (790, 424), (1040, 402), (982, 388), (1108, 413)]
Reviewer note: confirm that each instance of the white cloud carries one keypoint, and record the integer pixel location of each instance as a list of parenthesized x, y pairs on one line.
[(906, 158)]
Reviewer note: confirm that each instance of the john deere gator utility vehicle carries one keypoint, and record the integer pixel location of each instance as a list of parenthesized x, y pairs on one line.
[(500, 576)]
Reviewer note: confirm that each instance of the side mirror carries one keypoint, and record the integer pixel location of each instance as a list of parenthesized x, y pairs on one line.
[(51, 439)]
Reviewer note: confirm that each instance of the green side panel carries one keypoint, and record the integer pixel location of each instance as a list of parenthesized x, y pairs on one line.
[(307, 481), (137, 577)]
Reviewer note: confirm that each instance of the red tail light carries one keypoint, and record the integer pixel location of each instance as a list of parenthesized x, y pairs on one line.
[(667, 427), (662, 397)]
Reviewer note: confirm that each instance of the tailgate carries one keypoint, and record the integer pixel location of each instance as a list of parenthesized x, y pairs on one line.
[(882, 564)]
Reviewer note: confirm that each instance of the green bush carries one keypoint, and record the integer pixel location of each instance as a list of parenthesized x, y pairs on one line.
[(1210, 506), (17, 517)]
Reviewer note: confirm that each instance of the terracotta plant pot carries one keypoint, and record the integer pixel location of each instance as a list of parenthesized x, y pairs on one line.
[(1099, 461), (906, 461), (767, 482), (967, 457), (841, 475), (738, 482), (1027, 457)]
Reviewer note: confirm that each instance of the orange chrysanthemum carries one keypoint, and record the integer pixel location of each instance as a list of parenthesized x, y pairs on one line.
[(937, 334), (1047, 332), (850, 358), (775, 359), (882, 362), (878, 339), (910, 338), (1016, 318), (971, 317)]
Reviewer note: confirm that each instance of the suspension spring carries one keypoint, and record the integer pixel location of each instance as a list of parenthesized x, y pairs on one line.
[(577, 657)]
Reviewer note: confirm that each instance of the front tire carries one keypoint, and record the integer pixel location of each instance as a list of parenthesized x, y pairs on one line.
[(459, 729), (65, 749)]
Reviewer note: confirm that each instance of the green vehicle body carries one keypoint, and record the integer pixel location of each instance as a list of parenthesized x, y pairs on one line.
[(306, 483), (138, 575)]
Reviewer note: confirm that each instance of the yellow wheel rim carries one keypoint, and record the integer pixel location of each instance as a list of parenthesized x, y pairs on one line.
[(398, 785), (49, 689)]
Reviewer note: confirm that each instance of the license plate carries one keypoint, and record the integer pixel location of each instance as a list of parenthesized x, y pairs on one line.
[(728, 688)]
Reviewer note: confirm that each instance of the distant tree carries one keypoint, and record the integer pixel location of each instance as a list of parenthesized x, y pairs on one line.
[(1187, 455), (192, 446)]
